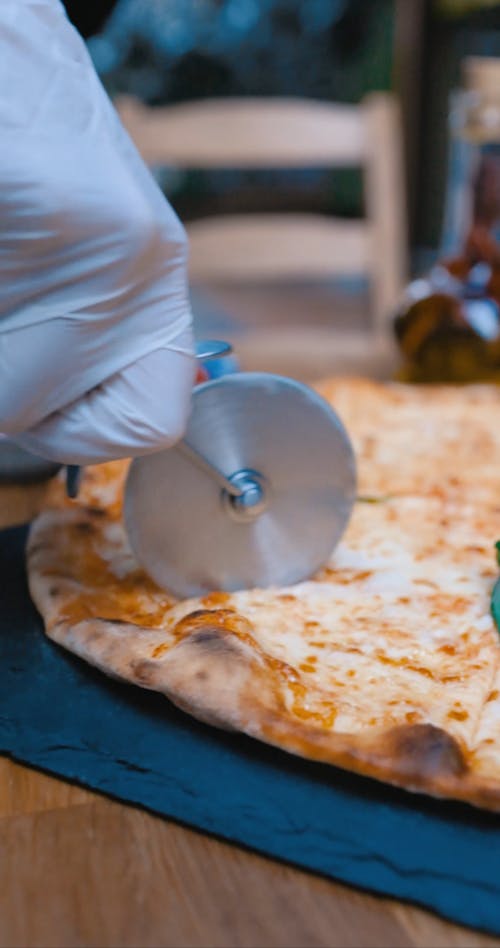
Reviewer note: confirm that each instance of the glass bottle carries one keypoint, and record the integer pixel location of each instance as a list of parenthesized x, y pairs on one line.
[(448, 323)]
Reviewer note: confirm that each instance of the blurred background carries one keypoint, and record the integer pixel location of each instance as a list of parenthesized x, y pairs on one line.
[(395, 61)]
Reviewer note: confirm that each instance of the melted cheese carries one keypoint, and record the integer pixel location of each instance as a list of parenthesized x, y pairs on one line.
[(396, 628)]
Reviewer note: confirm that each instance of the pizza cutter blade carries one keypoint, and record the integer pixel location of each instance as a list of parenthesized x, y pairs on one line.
[(258, 494)]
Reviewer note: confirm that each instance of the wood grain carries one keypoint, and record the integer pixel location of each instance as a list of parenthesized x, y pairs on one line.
[(24, 791), (20, 504), (79, 870)]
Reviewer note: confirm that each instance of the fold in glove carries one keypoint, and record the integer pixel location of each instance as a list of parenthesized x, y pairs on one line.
[(137, 411), (95, 339)]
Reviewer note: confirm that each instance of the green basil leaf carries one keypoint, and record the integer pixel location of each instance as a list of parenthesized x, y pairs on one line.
[(495, 603)]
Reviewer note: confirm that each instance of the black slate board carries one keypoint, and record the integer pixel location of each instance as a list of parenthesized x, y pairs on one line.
[(58, 714)]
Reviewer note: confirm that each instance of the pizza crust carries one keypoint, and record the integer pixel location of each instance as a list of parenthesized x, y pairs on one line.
[(384, 664), (217, 677)]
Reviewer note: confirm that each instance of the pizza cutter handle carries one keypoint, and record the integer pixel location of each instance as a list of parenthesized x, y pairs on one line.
[(73, 478), (208, 468), (74, 472), (205, 350)]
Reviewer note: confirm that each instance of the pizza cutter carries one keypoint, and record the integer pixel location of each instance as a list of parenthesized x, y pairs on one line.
[(257, 494)]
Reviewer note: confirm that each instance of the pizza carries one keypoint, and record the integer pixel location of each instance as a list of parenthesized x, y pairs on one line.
[(385, 663)]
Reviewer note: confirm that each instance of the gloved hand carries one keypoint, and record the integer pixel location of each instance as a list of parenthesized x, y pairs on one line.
[(95, 324)]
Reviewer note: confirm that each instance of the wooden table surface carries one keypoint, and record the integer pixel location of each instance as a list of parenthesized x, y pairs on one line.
[(79, 869)]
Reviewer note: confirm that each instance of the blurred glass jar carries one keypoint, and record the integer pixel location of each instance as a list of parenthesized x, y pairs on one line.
[(448, 323)]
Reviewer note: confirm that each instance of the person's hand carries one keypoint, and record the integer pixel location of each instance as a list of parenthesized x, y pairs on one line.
[(95, 324)]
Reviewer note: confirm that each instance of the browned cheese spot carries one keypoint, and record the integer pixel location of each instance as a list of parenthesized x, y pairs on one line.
[(143, 671), (458, 714)]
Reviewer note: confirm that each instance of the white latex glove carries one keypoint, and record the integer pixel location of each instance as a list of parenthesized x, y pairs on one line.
[(95, 324)]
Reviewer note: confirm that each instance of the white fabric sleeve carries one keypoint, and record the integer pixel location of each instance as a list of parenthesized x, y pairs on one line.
[(92, 257)]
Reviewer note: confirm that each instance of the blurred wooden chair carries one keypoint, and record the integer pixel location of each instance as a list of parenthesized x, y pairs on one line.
[(253, 133)]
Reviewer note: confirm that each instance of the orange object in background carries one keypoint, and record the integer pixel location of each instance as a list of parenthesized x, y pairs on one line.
[(448, 324), (201, 375)]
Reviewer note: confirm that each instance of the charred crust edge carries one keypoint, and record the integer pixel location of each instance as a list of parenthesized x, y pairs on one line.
[(211, 639), (426, 752)]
